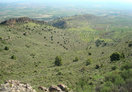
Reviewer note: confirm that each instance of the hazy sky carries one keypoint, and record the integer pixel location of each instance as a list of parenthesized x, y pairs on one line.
[(112, 4), (124, 1)]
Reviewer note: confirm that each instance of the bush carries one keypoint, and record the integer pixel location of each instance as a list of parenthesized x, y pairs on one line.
[(116, 56), (58, 61), (89, 54), (0, 38), (99, 42), (97, 67), (83, 85), (106, 87), (126, 74), (59, 73), (115, 79), (114, 68), (127, 66), (6, 48), (130, 44), (88, 62), (76, 59), (13, 57)]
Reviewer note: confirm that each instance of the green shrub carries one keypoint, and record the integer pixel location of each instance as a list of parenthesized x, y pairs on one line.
[(88, 62), (13, 57), (126, 74), (106, 87), (114, 68), (89, 54), (116, 56), (76, 59), (118, 81), (0, 38), (58, 61), (97, 67), (83, 85), (130, 44), (59, 73), (99, 42), (6, 48), (122, 55), (115, 78)]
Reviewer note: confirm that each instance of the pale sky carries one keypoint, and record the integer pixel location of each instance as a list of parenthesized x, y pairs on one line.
[(125, 1), (120, 4), (105, 4), (113, 0)]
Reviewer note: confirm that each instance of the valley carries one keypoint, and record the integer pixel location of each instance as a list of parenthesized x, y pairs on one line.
[(94, 52)]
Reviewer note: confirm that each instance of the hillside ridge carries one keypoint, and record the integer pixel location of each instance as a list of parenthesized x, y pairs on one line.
[(13, 21)]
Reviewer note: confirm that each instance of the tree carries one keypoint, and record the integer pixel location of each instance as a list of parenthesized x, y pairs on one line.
[(116, 56), (13, 57), (97, 67), (58, 61), (6, 48)]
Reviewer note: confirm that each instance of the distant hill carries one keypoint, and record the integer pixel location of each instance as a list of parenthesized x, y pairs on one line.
[(77, 21), (13, 21), (96, 22)]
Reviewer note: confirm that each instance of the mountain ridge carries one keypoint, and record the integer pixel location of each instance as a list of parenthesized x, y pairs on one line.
[(13, 21)]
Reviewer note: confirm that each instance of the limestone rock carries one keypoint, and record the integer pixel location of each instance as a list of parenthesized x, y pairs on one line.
[(63, 87), (16, 86), (43, 89), (54, 88)]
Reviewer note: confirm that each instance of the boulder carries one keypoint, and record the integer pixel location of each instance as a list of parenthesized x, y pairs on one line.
[(16, 86), (54, 88), (63, 87), (43, 89)]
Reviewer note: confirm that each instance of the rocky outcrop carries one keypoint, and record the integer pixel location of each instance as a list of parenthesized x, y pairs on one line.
[(16, 86), (13, 21), (63, 87), (54, 88), (43, 89)]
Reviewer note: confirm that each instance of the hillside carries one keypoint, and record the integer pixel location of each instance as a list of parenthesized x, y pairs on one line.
[(20, 20), (29, 49)]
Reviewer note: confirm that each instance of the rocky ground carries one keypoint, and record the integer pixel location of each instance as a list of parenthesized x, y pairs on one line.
[(17, 86)]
